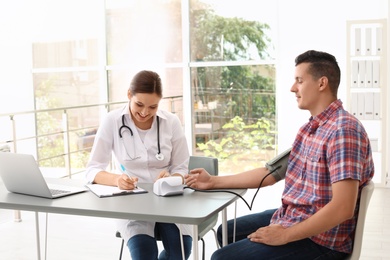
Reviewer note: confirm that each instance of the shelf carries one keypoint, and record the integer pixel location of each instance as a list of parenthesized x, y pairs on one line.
[(367, 85)]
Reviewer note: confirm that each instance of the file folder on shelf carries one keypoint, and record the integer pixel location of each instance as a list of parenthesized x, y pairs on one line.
[(358, 38), (368, 74), (362, 74), (355, 73), (369, 106), (377, 106), (379, 41), (368, 41), (376, 74)]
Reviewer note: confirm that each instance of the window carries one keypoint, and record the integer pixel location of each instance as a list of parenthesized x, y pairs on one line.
[(233, 83), (90, 59)]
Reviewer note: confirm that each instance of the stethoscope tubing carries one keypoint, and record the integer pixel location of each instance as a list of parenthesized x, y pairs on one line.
[(159, 155)]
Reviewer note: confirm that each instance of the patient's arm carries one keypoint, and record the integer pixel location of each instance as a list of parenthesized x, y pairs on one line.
[(201, 179)]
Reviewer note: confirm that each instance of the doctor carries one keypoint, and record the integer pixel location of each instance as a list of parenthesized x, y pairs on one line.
[(146, 144)]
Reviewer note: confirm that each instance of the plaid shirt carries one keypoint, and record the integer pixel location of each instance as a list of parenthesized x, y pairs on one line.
[(331, 147)]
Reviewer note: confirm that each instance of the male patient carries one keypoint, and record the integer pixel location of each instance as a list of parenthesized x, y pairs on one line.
[(330, 162)]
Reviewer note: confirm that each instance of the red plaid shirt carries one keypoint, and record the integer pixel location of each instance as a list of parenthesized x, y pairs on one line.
[(331, 147)]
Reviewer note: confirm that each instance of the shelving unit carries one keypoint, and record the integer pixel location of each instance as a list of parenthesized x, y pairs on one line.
[(367, 86)]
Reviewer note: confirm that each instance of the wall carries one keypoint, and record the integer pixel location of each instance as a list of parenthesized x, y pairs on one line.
[(318, 25), (304, 25)]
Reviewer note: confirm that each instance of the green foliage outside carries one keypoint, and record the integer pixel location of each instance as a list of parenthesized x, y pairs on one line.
[(241, 142), (247, 93), (51, 149), (216, 38)]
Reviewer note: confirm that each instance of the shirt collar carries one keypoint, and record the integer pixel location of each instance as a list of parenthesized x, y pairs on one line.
[(321, 118)]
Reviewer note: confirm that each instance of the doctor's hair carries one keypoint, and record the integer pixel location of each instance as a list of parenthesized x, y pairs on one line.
[(146, 81), (322, 64)]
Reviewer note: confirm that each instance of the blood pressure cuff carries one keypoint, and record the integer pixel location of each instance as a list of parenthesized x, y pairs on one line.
[(280, 160)]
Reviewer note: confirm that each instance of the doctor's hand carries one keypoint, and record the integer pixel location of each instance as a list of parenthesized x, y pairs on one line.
[(199, 178), (163, 174), (124, 182)]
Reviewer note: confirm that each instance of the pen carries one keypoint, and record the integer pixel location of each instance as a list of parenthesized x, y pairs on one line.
[(122, 192), (124, 170)]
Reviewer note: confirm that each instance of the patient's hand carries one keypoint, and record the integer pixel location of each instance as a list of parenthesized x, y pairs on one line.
[(199, 178), (273, 235)]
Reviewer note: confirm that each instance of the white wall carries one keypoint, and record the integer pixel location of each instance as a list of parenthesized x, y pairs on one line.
[(318, 25), (15, 46)]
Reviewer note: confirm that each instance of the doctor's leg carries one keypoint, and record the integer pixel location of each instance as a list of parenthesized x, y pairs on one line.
[(143, 247), (170, 237)]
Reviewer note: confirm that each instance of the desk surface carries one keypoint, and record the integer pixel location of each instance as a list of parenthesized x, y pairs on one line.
[(190, 208)]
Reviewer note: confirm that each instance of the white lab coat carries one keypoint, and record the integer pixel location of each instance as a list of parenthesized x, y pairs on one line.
[(139, 158)]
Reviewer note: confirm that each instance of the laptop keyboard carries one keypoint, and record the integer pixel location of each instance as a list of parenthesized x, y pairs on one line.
[(56, 191)]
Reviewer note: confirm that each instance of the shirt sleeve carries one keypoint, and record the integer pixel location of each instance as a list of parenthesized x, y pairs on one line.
[(180, 154), (347, 154), (100, 156)]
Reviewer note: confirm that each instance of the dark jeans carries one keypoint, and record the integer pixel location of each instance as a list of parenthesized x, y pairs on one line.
[(145, 247), (243, 248)]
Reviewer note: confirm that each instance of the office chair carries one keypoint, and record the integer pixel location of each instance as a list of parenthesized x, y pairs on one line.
[(210, 164), (365, 197)]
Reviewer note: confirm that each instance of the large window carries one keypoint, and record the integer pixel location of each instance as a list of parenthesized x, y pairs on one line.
[(233, 83), (221, 61), (90, 59)]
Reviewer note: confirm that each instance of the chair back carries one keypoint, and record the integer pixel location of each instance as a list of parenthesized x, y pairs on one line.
[(210, 164), (365, 197)]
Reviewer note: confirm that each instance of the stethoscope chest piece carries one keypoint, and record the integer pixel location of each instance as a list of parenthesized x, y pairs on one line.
[(160, 156)]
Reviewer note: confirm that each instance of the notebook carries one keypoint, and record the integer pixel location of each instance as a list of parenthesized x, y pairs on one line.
[(21, 174)]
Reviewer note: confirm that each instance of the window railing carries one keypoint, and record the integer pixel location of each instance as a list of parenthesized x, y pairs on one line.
[(21, 134)]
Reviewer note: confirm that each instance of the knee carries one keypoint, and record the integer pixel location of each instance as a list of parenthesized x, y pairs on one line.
[(187, 241), (219, 235), (216, 255), (143, 247)]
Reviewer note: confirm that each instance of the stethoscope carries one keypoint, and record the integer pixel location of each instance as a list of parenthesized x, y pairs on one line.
[(159, 155)]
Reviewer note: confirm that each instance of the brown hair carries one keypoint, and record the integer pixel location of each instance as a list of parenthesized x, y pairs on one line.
[(322, 64), (146, 81)]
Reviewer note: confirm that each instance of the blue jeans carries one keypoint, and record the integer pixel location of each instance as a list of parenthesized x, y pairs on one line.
[(245, 249), (145, 247)]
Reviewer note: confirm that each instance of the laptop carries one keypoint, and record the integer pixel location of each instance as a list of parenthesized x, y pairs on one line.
[(21, 174)]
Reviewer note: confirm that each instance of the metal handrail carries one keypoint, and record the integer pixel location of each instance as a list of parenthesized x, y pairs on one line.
[(5, 144)]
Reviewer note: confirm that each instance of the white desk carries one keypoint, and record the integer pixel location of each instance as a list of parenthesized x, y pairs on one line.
[(190, 208)]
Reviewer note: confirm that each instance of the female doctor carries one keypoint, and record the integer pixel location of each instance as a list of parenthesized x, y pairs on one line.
[(146, 144)]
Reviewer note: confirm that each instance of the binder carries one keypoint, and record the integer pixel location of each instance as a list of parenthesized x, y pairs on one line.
[(362, 74), (379, 42), (369, 74), (369, 106), (377, 106), (360, 106), (355, 74), (375, 74), (374, 144), (358, 38), (354, 104), (368, 41)]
